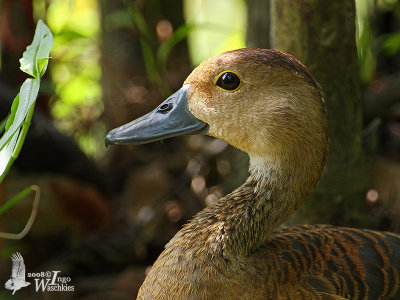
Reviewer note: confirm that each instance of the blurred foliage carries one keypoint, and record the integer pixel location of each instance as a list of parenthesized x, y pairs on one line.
[(155, 48), (76, 71), (219, 26), (389, 43), (211, 27), (367, 62), (370, 43)]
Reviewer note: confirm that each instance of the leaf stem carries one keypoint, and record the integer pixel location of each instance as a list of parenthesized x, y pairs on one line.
[(21, 195), (35, 206), (21, 138)]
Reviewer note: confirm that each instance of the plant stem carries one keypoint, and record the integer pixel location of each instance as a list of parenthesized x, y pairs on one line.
[(21, 138), (21, 195)]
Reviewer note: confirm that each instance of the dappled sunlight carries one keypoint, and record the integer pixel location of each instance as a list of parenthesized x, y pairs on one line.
[(76, 72), (219, 26)]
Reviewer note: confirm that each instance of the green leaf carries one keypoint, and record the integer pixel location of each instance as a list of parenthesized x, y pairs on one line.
[(13, 139), (27, 96), (6, 154), (34, 62), (3, 123), (391, 44), (36, 56), (14, 108)]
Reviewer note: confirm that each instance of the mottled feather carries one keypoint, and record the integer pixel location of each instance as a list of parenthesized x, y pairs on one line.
[(335, 261)]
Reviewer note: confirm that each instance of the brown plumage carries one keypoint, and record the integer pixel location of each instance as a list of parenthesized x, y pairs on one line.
[(229, 250)]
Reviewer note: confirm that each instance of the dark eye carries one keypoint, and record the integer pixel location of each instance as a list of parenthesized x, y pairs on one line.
[(228, 81)]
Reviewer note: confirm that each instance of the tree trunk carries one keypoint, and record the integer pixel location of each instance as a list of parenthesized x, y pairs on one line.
[(321, 34), (258, 24)]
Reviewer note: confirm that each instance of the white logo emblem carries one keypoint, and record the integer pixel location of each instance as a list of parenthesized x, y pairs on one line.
[(17, 280)]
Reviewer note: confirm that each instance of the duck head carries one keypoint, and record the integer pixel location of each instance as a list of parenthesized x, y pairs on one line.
[(263, 102)]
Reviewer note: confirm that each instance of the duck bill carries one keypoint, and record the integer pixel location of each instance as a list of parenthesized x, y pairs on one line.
[(171, 118)]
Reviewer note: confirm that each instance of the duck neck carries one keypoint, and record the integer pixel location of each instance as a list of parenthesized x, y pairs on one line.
[(242, 221), (270, 194)]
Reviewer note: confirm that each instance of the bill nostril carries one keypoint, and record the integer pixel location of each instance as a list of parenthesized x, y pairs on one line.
[(165, 107)]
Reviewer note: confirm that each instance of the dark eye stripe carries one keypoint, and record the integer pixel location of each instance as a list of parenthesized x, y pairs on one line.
[(228, 81)]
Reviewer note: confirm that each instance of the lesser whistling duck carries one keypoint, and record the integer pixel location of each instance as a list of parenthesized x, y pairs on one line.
[(266, 103)]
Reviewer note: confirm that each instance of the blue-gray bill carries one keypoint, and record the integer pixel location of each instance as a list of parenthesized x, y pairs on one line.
[(171, 118)]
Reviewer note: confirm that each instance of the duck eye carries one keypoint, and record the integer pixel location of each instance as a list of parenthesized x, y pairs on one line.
[(228, 81)]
